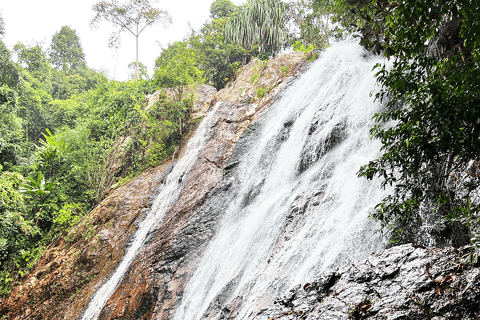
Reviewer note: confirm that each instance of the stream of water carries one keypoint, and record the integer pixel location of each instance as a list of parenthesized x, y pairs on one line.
[(299, 207)]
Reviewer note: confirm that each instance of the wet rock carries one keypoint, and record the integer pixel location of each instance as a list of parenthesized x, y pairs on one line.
[(403, 282), (320, 142)]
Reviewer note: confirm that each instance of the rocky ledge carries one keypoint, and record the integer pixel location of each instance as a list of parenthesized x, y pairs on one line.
[(403, 282)]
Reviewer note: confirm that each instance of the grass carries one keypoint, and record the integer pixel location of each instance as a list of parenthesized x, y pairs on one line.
[(261, 92)]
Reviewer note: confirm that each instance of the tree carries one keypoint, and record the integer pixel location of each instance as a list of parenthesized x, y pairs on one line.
[(132, 16), (258, 23), (307, 27), (221, 9), (366, 17), (176, 67), (141, 71), (9, 74), (218, 59), (431, 125), (11, 132), (66, 51), (34, 59)]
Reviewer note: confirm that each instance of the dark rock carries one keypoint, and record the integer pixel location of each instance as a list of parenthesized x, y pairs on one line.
[(403, 282)]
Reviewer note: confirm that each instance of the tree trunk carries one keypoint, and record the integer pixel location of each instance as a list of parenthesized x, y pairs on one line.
[(136, 62)]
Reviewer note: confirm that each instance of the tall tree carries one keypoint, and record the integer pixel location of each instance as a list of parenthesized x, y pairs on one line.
[(132, 16), (258, 23), (66, 51)]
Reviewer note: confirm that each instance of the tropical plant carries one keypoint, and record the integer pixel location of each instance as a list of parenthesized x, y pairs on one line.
[(258, 23), (37, 187), (51, 152), (132, 16), (11, 132)]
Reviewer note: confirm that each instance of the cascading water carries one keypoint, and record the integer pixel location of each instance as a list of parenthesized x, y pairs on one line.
[(167, 196), (297, 206)]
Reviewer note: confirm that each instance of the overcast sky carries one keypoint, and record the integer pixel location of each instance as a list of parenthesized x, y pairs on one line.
[(32, 21)]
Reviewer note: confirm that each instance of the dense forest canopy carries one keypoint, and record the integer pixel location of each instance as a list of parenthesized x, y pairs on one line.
[(68, 134)]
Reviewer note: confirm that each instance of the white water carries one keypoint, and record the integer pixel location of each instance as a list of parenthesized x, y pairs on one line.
[(260, 251), (163, 202)]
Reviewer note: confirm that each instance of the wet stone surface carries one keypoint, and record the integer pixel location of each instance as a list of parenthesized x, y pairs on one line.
[(403, 282)]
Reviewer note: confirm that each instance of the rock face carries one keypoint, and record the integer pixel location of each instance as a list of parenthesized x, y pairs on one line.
[(403, 282), (72, 269), (204, 95)]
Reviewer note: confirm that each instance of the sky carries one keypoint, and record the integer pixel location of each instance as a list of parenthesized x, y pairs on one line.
[(36, 21)]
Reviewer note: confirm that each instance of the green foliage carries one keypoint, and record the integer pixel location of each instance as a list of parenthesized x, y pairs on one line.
[(317, 21), (176, 67), (10, 198), (68, 216), (218, 59), (34, 106), (37, 187), (258, 23), (55, 191), (15, 229), (167, 122), (309, 27), (300, 47), (51, 152), (142, 70), (431, 147), (35, 61), (221, 9), (9, 75), (10, 127), (261, 92), (42, 205), (66, 51)]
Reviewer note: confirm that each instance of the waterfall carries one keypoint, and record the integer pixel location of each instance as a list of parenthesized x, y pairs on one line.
[(297, 207), (167, 196)]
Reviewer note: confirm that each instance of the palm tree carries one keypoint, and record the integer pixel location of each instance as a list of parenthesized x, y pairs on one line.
[(258, 23)]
